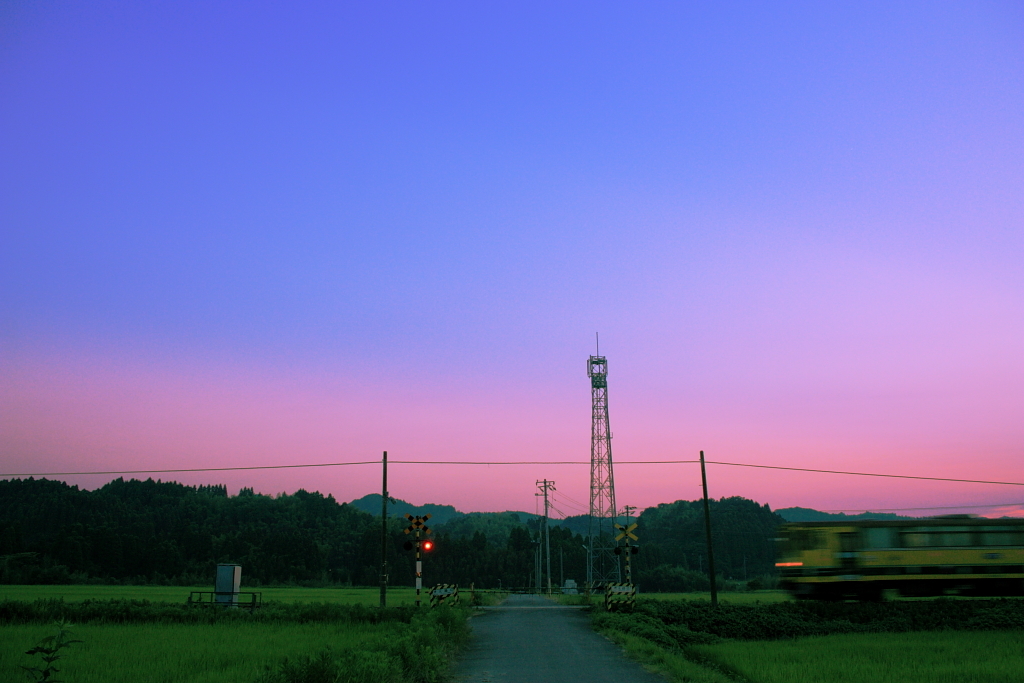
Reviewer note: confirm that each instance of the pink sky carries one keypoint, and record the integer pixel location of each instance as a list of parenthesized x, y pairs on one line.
[(79, 414)]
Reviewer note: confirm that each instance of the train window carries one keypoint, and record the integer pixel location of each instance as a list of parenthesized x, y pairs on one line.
[(954, 539), (848, 542), (879, 537), (799, 540), (915, 539), (1000, 536)]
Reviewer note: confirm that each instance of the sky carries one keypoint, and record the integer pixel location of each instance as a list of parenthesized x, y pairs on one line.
[(248, 234)]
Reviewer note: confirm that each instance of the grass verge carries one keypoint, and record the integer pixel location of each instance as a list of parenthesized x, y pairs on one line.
[(965, 641)]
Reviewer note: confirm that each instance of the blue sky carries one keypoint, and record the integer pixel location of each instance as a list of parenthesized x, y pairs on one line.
[(798, 228)]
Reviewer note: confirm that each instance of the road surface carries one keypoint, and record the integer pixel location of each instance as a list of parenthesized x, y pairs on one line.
[(528, 639)]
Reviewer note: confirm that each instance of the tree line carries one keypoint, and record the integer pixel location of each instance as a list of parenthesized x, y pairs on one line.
[(164, 532)]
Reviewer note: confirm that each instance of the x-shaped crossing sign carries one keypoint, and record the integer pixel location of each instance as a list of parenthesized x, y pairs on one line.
[(418, 523), (626, 531)]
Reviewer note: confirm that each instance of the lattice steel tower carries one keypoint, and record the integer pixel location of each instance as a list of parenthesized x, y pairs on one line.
[(603, 565)]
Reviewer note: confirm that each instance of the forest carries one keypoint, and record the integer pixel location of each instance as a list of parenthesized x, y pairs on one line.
[(169, 533)]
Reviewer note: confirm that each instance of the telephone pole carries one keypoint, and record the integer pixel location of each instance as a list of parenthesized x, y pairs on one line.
[(544, 485), (384, 535), (707, 530)]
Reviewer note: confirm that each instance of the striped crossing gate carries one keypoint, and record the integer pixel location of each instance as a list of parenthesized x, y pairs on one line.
[(444, 594), (619, 597)]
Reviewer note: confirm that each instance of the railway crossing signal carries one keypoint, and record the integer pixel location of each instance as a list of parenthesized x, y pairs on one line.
[(624, 594), (418, 525), (425, 545)]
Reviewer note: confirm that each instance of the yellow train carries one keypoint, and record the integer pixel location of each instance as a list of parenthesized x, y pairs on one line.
[(956, 554)]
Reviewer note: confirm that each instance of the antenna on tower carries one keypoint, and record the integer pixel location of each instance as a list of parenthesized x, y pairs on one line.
[(597, 338)]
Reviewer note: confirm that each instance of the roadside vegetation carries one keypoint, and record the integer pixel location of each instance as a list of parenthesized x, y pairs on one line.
[(947, 640)]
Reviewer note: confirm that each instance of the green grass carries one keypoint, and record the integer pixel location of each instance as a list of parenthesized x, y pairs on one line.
[(732, 598), (933, 657), (744, 598), (239, 649), (791, 642), (76, 593), (168, 653), (671, 664)]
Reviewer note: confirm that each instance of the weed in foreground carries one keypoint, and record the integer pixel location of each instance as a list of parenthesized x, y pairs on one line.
[(49, 650)]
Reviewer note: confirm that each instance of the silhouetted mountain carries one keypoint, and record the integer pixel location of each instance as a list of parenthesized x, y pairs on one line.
[(439, 513), (798, 514)]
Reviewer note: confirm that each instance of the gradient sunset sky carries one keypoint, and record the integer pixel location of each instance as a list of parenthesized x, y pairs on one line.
[(238, 234)]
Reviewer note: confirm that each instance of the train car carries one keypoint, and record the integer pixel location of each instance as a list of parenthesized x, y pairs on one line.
[(952, 555)]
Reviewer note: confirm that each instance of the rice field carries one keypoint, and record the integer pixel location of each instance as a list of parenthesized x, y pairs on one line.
[(72, 593), (174, 653), (237, 649), (931, 657)]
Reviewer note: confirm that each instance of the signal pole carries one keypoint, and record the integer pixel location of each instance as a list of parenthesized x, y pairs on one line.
[(627, 510), (418, 524), (545, 486)]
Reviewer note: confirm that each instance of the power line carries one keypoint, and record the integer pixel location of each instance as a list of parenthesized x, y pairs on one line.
[(934, 507), (195, 469), (517, 462), (334, 464), (868, 474), (571, 499), (570, 506)]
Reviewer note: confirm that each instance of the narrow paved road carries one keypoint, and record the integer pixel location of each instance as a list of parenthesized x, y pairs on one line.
[(528, 639)]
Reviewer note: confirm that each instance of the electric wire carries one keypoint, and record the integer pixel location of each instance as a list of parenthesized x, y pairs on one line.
[(867, 474), (934, 507), (573, 500), (518, 462), (568, 501), (574, 508)]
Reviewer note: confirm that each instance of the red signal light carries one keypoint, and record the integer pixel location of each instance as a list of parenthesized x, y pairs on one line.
[(427, 546)]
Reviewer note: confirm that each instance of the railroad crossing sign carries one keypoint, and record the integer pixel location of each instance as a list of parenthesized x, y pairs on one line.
[(418, 523), (627, 532), (619, 597), (444, 594)]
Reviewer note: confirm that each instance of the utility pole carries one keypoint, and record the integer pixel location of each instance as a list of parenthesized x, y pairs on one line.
[(707, 528), (544, 485), (536, 567), (384, 535)]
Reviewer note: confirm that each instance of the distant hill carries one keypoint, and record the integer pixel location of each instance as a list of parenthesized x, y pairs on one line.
[(439, 513), (798, 514), (578, 524)]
